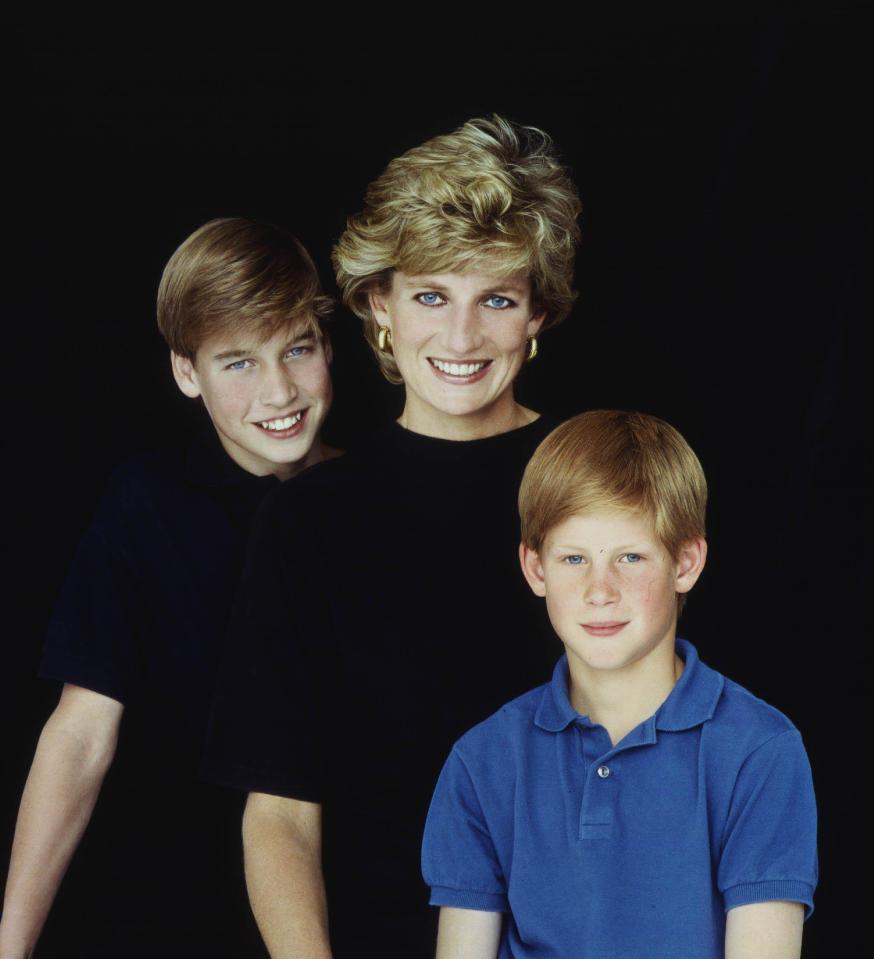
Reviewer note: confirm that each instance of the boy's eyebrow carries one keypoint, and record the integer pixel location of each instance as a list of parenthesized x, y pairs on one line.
[(632, 545), (303, 334), (231, 354)]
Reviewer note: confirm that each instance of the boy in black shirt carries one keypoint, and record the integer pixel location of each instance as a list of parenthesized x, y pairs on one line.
[(140, 617)]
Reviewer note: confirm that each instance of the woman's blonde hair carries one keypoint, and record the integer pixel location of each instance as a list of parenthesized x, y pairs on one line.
[(491, 196), (237, 274)]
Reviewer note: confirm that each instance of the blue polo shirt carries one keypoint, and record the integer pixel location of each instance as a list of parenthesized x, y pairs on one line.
[(633, 850)]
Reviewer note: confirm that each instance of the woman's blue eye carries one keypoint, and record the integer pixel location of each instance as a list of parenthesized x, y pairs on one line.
[(632, 557), (574, 560), (499, 302), (238, 365), (430, 299), (298, 350)]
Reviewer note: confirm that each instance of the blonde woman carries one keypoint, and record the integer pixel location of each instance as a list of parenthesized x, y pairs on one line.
[(382, 611)]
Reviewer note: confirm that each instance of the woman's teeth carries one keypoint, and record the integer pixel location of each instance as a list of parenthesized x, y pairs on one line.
[(285, 423), (458, 369)]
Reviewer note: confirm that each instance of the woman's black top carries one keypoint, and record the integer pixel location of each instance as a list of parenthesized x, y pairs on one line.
[(382, 613)]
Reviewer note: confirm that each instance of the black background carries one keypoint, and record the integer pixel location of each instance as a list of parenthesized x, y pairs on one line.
[(724, 275)]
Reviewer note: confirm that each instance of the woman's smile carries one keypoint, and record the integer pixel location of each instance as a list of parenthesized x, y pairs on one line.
[(459, 340)]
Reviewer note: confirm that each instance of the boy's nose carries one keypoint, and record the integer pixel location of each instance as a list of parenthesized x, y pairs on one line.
[(278, 389), (600, 589)]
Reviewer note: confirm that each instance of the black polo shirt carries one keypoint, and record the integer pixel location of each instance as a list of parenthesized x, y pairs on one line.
[(382, 613), (141, 618)]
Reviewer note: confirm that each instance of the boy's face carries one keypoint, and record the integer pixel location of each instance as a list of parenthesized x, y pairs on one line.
[(458, 340), (267, 402), (611, 588)]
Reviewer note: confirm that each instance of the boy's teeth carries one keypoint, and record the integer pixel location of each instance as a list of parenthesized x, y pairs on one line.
[(284, 424), (458, 369)]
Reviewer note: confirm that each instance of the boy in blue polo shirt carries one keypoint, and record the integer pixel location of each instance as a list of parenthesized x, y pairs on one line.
[(640, 805)]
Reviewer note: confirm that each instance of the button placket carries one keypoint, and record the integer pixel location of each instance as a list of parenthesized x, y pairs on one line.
[(599, 797)]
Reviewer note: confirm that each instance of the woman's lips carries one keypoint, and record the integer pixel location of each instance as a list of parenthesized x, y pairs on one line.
[(459, 373), (603, 629)]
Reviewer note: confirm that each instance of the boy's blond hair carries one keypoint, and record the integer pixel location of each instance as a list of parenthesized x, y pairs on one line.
[(611, 459), (237, 274), (489, 197)]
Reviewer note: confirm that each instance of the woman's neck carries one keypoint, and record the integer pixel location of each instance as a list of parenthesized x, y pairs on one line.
[(471, 426)]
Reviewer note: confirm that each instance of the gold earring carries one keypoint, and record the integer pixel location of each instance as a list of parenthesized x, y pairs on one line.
[(532, 349), (383, 340)]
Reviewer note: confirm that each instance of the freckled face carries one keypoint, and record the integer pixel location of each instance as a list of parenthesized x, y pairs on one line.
[(611, 588), (459, 340), (267, 402)]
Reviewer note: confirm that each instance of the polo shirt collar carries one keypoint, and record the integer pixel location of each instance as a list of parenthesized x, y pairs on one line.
[(691, 702), (555, 712)]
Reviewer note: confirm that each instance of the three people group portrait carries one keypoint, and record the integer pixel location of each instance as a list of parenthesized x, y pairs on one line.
[(434, 678)]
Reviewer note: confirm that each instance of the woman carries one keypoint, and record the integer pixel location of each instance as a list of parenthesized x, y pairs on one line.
[(382, 610)]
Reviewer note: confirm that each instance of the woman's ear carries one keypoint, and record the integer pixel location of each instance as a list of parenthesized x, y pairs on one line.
[(532, 569), (535, 323), (379, 307), (185, 374)]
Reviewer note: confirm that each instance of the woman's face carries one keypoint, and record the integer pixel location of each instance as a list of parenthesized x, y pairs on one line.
[(459, 340)]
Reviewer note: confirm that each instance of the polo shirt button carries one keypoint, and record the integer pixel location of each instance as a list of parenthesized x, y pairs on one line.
[(603, 771)]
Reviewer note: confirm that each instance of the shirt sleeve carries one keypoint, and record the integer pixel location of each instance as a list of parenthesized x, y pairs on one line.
[(459, 860), (769, 846), (273, 711), (94, 634)]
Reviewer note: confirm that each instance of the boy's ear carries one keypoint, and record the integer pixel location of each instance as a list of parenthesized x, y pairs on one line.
[(185, 375), (532, 568), (690, 562)]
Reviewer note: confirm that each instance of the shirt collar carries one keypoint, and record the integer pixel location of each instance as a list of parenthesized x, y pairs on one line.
[(555, 712), (208, 464), (691, 702)]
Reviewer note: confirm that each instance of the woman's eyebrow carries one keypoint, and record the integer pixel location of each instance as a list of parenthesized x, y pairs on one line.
[(424, 280)]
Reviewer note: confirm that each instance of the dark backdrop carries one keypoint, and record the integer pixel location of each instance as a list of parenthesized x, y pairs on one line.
[(723, 277)]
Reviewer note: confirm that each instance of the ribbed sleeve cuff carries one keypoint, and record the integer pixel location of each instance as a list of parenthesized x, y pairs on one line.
[(465, 899), (787, 890)]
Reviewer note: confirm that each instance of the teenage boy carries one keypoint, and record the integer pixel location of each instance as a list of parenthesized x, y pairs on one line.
[(640, 805), (141, 615)]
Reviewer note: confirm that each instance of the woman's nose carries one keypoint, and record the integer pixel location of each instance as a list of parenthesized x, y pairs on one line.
[(464, 334)]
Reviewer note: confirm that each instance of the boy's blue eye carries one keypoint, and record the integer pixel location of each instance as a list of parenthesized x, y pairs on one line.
[(499, 302), (430, 299), (632, 557), (573, 560), (298, 351), (237, 365)]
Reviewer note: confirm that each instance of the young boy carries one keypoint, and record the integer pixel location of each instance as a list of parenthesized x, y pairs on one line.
[(640, 805), (141, 618)]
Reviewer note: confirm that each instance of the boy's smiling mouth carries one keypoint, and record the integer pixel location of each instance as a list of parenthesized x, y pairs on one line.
[(604, 629), (452, 371), (283, 426)]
